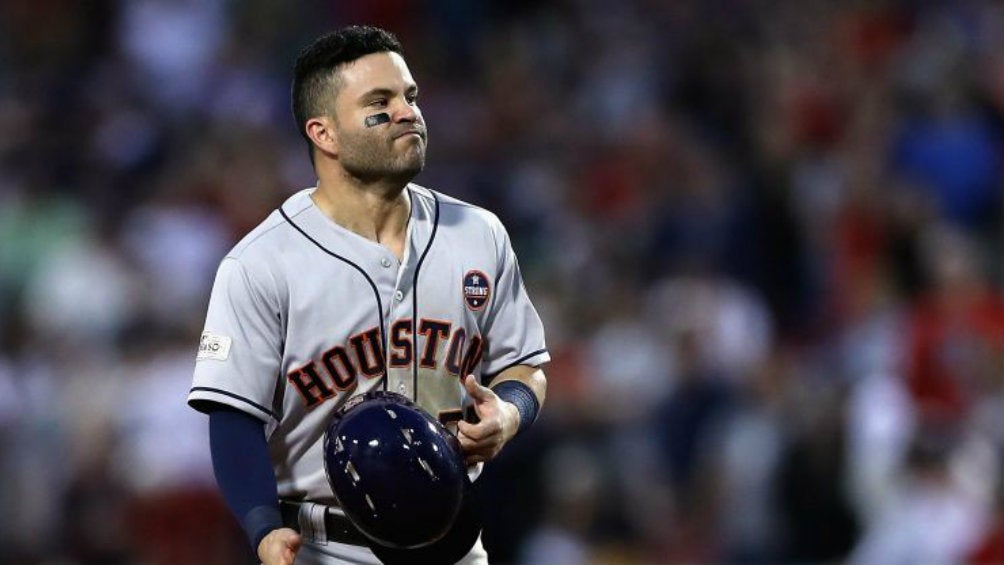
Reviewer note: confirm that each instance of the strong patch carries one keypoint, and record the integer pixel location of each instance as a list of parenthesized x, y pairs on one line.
[(477, 290)]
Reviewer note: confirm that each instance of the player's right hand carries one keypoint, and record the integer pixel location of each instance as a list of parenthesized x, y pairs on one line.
[(279, 547), (497, 424)]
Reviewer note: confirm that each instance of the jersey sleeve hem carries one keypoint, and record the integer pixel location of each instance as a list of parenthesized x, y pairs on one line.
[(534, 359), (203, 398)]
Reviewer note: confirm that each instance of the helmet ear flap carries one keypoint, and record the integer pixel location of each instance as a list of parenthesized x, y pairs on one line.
[(398, 474)]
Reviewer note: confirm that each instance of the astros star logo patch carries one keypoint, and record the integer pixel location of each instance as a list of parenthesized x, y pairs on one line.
[(477, 291)]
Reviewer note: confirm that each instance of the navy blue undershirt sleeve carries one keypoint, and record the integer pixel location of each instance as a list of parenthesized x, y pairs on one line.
[(244, 471)]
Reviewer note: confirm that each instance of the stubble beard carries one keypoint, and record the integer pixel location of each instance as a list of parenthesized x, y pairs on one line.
[(370, 159)]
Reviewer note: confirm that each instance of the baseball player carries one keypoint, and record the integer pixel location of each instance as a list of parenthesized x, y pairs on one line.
[(365, 281)]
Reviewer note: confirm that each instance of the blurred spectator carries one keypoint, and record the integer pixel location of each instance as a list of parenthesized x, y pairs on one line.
[(178, 246), (956, 334), (627, 363), (174, 45), (685, 426), (731, 326), (84, 295), (34, 224), (571, 491), (880, 425), (907, 532), (748, 457), (817, 518), (946, 145), (175, 513), (94, 514), (990, 547)]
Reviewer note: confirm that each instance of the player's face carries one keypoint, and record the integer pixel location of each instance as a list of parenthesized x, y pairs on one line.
[(374, 84)]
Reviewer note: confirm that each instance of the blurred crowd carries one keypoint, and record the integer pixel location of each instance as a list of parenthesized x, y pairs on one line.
[(765, 238)]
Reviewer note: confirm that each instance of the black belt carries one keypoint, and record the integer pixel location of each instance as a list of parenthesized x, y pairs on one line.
[(337, 527)]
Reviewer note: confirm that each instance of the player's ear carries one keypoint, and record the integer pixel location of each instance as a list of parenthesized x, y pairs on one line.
[(322, 132)]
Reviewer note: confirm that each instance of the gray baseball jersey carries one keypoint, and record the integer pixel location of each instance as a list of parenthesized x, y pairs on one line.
[(305, 314)]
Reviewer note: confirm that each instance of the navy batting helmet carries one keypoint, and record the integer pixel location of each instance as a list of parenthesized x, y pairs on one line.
[(397, 473)]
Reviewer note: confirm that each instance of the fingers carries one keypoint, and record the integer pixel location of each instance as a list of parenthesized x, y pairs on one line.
[(478, 439), (475, 459), (479, 442), (480, 454), (293, 542), (483, 440), (482, 430), (477, 392), (279, 547)]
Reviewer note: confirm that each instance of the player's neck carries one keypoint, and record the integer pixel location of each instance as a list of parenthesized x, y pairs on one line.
[(378, 214)]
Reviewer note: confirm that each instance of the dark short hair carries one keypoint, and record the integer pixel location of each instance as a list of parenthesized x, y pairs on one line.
[(317, 62)]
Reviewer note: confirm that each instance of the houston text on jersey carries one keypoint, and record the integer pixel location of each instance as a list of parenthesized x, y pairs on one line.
[(340, 367)]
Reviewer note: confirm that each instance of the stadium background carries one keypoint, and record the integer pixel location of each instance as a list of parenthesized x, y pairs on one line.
[(765, 239)]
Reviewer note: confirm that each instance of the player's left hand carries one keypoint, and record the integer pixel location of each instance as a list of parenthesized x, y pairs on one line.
[(499, 421)]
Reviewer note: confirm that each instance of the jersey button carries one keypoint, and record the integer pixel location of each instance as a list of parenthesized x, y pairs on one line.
[(399, 296), (385, 262)]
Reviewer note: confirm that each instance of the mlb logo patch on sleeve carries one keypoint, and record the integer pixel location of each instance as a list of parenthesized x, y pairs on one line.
[(213, 346)]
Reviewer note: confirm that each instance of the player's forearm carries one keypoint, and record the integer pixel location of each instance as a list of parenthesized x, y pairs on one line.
[(523, 387), (244, 472), (533, 377)]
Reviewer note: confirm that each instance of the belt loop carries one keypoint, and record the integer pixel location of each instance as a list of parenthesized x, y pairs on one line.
[(312, 524)]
